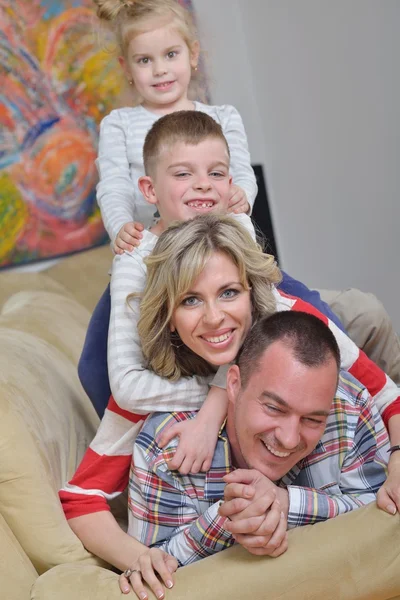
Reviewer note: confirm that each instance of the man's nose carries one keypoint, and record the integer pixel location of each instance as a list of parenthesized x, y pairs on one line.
[(288, 433)]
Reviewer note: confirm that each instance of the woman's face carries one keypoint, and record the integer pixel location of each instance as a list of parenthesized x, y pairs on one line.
[(214, 316)]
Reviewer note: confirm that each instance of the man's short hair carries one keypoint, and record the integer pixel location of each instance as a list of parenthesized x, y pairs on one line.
[(187, 126), (310, 340)]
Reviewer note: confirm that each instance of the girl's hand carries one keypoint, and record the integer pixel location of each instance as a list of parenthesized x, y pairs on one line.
[(197, 441), (128, 237), (388, 497), (238, 201), (151, 563)]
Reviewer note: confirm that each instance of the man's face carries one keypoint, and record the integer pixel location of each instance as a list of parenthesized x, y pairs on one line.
[(190, 180), (281, 414)]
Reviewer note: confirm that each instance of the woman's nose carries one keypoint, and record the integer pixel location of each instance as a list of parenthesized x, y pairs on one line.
[(213, 315)]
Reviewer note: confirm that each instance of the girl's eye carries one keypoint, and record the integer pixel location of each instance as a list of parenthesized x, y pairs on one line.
[(228, 294), (190, 301), (172, 54)]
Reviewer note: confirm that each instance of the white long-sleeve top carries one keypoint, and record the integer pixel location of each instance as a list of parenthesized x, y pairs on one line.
[(120, 162)]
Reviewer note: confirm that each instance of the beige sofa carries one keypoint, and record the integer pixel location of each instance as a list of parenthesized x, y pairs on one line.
[(46, 422)]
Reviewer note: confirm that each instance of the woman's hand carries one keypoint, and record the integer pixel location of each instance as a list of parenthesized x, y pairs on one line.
[(150, 564), (128, 237), (197, 441), (388, 497)]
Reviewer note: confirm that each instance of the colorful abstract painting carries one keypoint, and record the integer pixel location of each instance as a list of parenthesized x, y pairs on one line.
[(57, 81)]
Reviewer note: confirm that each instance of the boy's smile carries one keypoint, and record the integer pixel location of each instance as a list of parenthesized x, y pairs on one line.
[(189, 180)]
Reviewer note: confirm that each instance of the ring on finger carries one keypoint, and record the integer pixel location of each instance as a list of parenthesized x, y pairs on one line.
[(129, 572)]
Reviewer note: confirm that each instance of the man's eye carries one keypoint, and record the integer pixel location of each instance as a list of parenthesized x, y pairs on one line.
[(228, 294), (273, 408), (190, 301), (314, 422)]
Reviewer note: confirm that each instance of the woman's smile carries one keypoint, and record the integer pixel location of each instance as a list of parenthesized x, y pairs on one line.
[(214, 316)]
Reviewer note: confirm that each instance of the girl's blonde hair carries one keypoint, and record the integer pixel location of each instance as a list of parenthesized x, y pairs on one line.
[(129, 18), (178, 258)]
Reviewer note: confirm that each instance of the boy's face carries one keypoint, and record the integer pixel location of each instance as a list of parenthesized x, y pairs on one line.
[(189, 180)]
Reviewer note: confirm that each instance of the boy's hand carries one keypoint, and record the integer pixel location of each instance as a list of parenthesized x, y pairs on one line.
[(128, 237), (238, 201), (197, 441)]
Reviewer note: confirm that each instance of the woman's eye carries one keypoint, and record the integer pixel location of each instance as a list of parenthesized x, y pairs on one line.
[(172, 54), (228, 294), (190, 301)]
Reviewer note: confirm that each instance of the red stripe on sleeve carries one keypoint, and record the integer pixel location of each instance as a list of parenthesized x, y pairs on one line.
[(368, 373), (392, 410), (77, 505), (132, 417), (101, 472), (302, 306)]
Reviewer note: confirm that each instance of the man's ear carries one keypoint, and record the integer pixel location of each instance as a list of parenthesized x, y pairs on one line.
[(194, 54), (146, 186), (233, 383)]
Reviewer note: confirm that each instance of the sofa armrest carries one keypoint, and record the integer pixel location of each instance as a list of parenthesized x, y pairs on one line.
[(17, 573), (352, 557)]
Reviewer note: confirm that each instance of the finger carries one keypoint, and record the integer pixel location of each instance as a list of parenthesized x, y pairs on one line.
[(385, 502), (169, 434), (241, 476), (252, 541), (245, 526), (282, 548), (138, 225), (171, 562), (278, 535), (117, 250), (206, 466), (187, 465), (233, 507), (147, 575), (124, 584), (196, 466), (176, 461), (238, 490), (132, 236), (138, 587), (123, 245), (273, 520), (160, 566)]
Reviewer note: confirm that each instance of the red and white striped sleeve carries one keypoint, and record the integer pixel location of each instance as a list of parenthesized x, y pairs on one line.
[(382, 389), (104, 471)]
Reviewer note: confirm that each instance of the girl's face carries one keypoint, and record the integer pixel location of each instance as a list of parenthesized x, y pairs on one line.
[(160, 64), (214, 316)]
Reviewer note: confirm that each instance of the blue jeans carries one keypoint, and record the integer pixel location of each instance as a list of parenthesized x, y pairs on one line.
[(92, 367)]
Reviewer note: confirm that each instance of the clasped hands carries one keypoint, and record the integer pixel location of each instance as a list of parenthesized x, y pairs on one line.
[(257, 510)]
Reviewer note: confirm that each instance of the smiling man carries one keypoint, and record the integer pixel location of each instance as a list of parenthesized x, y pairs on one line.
[(302, 443)]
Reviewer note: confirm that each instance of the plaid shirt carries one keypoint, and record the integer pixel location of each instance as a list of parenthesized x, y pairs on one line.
[(179, 513)]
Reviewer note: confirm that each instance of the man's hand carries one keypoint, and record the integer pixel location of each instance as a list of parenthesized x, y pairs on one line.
[(128, 238), (238, 201), (388, 497), (257, 510)]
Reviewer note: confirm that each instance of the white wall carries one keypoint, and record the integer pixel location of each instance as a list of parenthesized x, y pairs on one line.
[(318, 86)]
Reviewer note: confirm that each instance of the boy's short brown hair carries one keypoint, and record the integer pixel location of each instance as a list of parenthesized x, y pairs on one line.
[(187, 126)]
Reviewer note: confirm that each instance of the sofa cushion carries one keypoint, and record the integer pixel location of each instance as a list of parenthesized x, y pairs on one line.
[(17, 574), (46, 423), (353, 557)]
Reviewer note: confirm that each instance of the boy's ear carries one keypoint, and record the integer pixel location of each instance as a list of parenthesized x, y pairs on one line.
[(146, 186), (194, 54)]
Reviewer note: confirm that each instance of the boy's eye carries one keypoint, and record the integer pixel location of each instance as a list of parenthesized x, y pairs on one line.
[(144, 60), (190, 301), (228, 294), (182, 174), (172, 54), (217, 174)]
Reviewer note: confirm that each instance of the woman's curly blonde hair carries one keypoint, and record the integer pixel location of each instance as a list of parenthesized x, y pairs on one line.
[(178, 258)]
